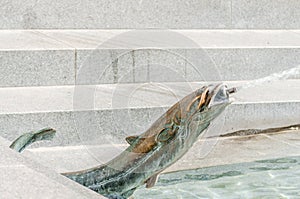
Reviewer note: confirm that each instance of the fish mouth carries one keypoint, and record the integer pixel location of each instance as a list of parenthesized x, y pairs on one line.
[(219, 94)]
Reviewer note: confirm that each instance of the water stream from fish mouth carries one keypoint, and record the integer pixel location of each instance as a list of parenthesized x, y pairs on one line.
[(286, 74)]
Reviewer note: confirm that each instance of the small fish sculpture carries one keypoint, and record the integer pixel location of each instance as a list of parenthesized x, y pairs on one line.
[(151, 152)]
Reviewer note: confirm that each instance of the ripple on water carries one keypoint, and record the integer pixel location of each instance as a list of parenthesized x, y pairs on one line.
[(204, 177), (268, 168), (277, 178), (279, 160)]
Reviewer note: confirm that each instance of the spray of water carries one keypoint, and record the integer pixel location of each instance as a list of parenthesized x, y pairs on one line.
[(273, 77)]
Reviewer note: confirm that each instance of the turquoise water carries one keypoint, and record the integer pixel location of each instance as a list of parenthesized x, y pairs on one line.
[(267, 179)]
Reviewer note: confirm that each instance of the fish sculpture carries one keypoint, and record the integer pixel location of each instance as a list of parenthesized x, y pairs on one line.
[(151, 152)]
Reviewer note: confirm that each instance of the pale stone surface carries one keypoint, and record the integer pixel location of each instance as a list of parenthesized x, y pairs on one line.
[(107, 113), (189, 14), (74, 158), (63, 57), (264, 14), (21, 177), (29, 58), (102, 66), (184, 38), (205, 153), (250, 64), (140, 95), (28, 40), (130, 66), (34, 68), (114, 14)]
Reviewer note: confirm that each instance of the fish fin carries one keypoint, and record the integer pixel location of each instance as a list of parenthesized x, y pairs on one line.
[(128, 194), (151, 181), (28, 138), (131, 139), (165, 135)]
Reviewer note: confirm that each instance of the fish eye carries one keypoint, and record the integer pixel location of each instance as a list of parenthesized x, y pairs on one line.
[(223, 93)]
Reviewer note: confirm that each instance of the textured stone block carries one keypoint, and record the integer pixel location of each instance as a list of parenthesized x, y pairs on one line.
[(250, 64), (35, 68), (257, 14), (191, 14), (63, 57), (114, 14)]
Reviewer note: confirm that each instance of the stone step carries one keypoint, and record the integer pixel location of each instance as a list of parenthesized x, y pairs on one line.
[(177, 14), (21, 177), (68, 57), (106, 114), (206, 152)]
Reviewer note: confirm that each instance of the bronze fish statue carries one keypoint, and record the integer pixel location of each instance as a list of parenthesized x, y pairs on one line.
[(151, 152)]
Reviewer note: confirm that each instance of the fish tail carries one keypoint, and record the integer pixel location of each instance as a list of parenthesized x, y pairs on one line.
[(28, 138)]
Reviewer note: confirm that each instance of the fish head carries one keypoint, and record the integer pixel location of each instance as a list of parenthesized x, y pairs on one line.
[(219, 95), (200, 108), (208, 98)]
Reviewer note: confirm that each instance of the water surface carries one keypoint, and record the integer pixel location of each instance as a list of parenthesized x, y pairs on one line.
[(276, 178)]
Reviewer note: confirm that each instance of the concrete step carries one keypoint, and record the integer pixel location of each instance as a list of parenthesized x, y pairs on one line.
[(206, 152), (68, 57), (21, 177), (177, 14), (106, 114)]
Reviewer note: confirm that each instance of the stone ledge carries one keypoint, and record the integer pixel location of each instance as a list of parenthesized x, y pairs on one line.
[(206, 152), (108, 115), (149, 14), (21, 177), (66, 57)]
